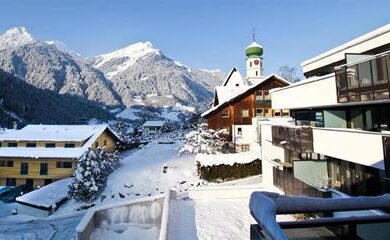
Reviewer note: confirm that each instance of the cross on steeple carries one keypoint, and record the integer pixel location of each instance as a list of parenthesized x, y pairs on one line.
[(254, 34)]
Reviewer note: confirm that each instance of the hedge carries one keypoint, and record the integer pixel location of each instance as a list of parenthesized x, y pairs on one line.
[(224, 172)]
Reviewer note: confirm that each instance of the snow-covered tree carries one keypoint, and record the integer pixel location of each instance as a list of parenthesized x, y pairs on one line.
[(204, 140), (86, 182), (91, 174), (128, 139)]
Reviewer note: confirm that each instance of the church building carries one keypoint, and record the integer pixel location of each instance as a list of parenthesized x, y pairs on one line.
[(239, 102)]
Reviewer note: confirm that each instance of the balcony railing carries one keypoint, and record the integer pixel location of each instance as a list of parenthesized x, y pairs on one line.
[(364, 81), (266, 103), (286, 181), (296, 139)]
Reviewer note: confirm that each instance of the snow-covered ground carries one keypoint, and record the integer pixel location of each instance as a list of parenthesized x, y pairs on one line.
[(145, 172), (26, 227)]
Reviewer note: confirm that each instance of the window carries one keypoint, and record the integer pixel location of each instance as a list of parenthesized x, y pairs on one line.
[(237, 84), (43, 169), (6, 163), (257, 73), (277, 113), (259, 96), (285, 113), (11, 182), (245, 113), (105, 142), (250, 64), (64, 164), (70, 145), (266, 95), (245, 148), (96, 144), (225, 113), (12, 144), (50, 145), (24, 168), (31, 145), (239, 131), (1, 144), (259, 112)]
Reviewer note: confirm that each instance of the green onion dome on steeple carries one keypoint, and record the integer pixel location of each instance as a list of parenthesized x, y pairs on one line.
[(254, 50)]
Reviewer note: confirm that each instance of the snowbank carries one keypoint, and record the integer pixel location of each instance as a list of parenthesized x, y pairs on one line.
[(229, 159), (47, 196)]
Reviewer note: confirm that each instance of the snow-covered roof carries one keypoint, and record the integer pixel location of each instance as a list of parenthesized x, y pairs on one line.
[(243, 91), (53, 133), (153, 124), (41, 152), (234, 76), (48, 195)]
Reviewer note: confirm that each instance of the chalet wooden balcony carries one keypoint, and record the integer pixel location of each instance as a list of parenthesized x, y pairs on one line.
[(297, 139), (367, 80)]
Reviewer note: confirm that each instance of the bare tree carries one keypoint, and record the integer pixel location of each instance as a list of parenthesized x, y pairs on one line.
[(289, 73)]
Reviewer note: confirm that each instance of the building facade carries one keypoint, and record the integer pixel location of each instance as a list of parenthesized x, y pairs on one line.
[(340, 138), (239, 102), (40, 154)]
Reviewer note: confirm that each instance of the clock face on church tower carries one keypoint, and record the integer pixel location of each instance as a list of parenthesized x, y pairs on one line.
[(256, 62)]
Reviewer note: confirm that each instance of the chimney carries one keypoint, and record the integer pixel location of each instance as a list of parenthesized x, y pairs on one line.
[(15, 125)]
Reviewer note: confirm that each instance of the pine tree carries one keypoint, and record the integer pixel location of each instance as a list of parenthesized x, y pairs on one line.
[(86, 182), (91, 174)]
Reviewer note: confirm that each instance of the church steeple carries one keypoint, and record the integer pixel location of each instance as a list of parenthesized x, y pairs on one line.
[(254, 62)]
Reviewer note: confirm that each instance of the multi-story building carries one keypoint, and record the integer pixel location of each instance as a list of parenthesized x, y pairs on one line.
[(340, 139), (238, 102), (36, 155)]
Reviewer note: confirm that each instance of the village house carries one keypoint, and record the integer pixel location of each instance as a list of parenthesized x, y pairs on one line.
[(239, 102), (151, 127), (37, 155)]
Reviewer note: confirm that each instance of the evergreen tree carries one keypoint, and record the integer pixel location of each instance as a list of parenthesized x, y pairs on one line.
[(91, 174)]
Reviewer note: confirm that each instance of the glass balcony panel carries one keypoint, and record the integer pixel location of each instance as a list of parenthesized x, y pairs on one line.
[(352, 77), (365, 78)]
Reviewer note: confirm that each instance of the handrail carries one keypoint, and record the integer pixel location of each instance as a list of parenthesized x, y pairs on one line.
[(264, 206)]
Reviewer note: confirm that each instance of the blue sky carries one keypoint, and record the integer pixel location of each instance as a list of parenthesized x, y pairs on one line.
[(203, 33)]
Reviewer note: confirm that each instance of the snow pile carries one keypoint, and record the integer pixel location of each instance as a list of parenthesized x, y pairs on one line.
[(48, 195), (228, 159)]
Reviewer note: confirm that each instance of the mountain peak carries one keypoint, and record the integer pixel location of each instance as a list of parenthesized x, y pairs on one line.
[(130, 55), (15, 37)]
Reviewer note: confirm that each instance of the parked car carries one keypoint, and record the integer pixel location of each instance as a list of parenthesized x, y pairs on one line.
[(5, 189), (15, 192)]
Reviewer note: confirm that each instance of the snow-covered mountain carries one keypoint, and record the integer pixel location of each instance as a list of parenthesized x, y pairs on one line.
[(44, 66), (15, 37), (143, 75), (136, 75)]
